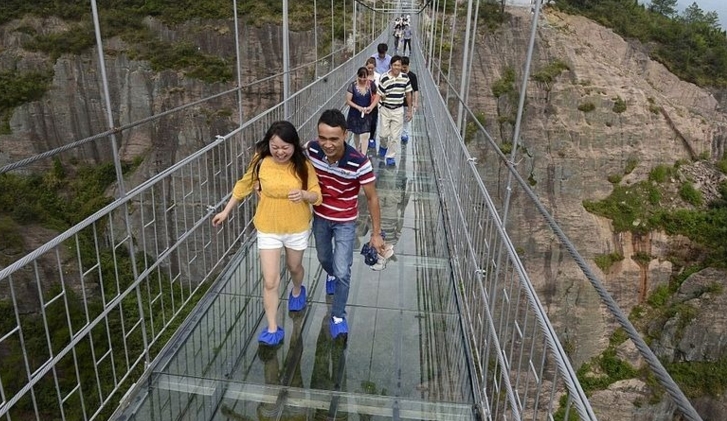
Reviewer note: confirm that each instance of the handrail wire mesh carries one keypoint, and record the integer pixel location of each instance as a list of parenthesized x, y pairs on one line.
[(501, 309), (654, 364)]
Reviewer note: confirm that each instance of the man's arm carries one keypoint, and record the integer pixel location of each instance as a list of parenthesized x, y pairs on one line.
[(372, 197), (409, 110)]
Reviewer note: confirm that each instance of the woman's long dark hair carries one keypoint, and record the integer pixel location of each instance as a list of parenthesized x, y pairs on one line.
[(287, 133)]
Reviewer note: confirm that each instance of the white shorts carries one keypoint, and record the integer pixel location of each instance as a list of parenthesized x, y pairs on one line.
[(298, 241)]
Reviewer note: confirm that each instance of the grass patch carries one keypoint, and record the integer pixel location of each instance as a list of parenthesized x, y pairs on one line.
[(605, 261), (690, 195), (631, 165), (505, 85), (619, 105), (615, 178), (472, 127), (722, 164), (642, 257), (607, 368), (548, 74), (587, 107), (661, 173), (697, 379), (629, 207), (18, 88)]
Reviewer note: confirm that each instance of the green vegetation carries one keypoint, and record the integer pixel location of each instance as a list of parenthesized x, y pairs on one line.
[(506, 84), (606, 368), (605, 261), (700, 378), (631, 165), (691, 45), (619, 105), (472, 127), (661, 173), (614, 178), (722, 164), (548, 74), (690, 195), (506, 148), (587, 107), (57, 201), (642, 257), (628, 206), (54, 200), (19, 88), (636, 208)]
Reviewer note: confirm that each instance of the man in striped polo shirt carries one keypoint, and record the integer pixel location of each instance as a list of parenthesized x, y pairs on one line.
[(342, 171), (394, 89)]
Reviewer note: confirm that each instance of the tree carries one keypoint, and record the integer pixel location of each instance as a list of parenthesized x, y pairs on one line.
[(667, 8), (693, 14)]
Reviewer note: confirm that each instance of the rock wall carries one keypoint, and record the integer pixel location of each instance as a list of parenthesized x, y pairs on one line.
[(74, 107), (567, 155)]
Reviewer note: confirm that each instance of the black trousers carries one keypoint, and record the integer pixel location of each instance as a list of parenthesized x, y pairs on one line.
[(374, 121), (407, 42)]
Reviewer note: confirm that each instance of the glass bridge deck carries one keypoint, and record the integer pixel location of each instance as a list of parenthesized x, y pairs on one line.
[(404, 358)]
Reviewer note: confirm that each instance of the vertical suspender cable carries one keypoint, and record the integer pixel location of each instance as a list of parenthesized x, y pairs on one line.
[(520, 106), (432, 31), (107, 99), (239, 64), (119, 175), (465, 58), (286, 62), (451, 49), (333, 38), (443, 16), (466, 96), (354, 30), (315, 36)]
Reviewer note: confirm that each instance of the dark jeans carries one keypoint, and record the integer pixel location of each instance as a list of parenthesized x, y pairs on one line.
[(407, 42), (334, 244)]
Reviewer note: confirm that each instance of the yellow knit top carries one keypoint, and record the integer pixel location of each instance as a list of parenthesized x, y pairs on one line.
[(275, 213)]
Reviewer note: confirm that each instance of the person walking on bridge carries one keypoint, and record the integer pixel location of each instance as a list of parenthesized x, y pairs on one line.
[(406, 33), (362, 99), (383, 60), (287, 185), (394, 89), (342, 171), (410, 105)]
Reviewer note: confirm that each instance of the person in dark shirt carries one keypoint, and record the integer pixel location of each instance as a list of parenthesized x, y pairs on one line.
[(414, 98)]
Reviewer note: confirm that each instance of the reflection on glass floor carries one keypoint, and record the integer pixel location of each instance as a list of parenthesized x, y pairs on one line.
[(403, 359)]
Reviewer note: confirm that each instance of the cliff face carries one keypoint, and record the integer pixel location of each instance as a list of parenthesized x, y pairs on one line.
[(567, 155), (74, 107)]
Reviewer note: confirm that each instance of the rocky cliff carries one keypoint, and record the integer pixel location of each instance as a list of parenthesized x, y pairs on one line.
[(611, 107), (74, 108)]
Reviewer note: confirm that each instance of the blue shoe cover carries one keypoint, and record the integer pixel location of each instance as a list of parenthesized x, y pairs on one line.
[(338, 329), (297, 303), (271, 339)]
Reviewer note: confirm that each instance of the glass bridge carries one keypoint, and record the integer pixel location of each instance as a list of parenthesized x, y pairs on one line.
[(404, 357), (143, 311)]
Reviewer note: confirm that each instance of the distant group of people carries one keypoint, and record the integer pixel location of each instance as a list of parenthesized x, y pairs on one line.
[(383, 98), (314, 187)]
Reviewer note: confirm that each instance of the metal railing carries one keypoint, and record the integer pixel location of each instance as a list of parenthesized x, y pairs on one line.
[(522, 371), (89, 310)]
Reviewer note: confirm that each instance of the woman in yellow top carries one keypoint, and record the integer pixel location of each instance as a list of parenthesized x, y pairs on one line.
[(287, 186)]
